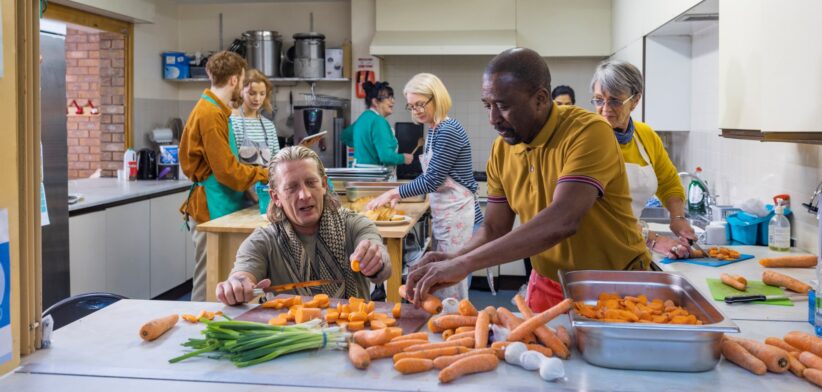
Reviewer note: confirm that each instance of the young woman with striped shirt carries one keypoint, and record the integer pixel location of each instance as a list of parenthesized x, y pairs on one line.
[(447, 178)]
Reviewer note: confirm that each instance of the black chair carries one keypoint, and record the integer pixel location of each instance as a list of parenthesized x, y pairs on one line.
[(81, 305)]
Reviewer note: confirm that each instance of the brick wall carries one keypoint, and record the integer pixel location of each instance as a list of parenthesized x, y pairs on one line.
[(95, 71), (82, 85), (112, 89)]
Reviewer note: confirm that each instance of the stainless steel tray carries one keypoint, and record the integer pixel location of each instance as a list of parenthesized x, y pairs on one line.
[(357, 190), (667, 347)]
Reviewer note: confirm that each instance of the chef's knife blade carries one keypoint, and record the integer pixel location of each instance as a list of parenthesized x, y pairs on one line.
[(751, 298), (292, 286)]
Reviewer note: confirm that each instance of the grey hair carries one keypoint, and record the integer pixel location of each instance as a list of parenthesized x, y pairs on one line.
[(618, 77), (274, 213)]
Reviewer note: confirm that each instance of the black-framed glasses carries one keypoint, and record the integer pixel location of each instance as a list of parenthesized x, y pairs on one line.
[(418, 107), (612, 103)]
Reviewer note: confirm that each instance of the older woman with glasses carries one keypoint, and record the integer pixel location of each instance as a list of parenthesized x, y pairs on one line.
[(617, 87), (447, 175), (371, 135)]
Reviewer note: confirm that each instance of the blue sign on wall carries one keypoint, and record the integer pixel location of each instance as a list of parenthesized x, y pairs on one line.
[(5, 289)]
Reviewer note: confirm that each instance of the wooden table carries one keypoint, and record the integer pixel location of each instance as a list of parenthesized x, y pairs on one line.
[(225, 234)]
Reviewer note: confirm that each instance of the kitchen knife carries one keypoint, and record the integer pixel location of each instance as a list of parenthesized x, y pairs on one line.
[(696, 246), (750, 298), (292, 286)]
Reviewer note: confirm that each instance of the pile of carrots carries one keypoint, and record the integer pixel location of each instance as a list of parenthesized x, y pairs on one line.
[(799, 352), (465, 348), (355, 315), (611, 308)]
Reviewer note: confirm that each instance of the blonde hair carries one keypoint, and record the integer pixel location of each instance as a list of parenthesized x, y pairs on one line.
[(255, 76), (274, 213), (430, 86)]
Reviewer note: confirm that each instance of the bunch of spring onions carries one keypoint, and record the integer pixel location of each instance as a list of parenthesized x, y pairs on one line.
[(248, 343)]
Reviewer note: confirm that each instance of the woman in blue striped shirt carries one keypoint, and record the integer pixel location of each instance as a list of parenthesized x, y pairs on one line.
[(254, 135), (447, 177)]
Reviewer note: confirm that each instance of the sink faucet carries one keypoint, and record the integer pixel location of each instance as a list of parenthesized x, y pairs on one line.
[(709, 199)]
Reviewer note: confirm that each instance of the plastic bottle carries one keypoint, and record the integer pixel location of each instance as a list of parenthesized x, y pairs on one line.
[(696, 195), (130, 164), (813, 297), (779, 230)]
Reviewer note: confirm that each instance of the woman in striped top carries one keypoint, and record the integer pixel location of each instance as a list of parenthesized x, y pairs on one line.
[(254, 135), (447, 176)]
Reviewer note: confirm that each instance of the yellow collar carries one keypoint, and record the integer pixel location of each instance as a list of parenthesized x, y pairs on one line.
[(544, 134)]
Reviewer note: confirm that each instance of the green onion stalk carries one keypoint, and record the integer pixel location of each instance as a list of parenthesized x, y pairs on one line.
[(247, 343)]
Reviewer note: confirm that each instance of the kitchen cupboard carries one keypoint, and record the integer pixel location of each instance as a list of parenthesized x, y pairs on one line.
[(139, 249), (452, 15), (559, 28), (634, 19), (741, 54), (667, 72)]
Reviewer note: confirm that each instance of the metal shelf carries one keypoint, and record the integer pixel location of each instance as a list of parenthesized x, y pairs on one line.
[(273, 80)]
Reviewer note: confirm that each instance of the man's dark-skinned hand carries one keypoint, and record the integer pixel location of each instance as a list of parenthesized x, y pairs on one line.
[(435, 271)]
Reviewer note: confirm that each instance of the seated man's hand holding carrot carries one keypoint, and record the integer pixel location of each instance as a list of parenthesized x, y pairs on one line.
[(369, 257)]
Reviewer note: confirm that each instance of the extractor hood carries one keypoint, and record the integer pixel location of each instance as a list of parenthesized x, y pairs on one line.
[(485, 42)]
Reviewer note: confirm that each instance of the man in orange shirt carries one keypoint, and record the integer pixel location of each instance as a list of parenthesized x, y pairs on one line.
[(208, 156)]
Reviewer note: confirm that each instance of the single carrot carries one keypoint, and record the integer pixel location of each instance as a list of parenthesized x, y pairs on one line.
[(492, 311), (810, 360), (358, 356), (734, 281), (564, 336), (481, 330), (469, 365), (397, 310), (447, 334), (430, 353), (355, 265), (464, 329), (469, 334), (451, 321), (280, 320), (813, 375), (792, 261), (773, 278), (391, 348), (430, 303), (464, 342), (191, 318), (543, 318), (777, 342), (510, 321), (414, 336), (413, 365), (376, 337), (804, 342), (738, 355), (796, 365), (377, 325), (331, 317), (542, 333), (500, 345), (775, 358), (355, 325), (433, 327), (443, 361), (154, 328), (466, 308), (541, 349)]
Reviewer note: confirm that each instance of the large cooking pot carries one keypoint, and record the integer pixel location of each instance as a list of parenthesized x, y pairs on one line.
[(263, 49), (309, 56)]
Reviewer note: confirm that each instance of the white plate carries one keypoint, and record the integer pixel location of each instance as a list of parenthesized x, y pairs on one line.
[(405, 219)]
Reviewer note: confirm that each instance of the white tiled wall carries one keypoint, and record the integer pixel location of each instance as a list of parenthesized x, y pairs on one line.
[(462, 76), (741, 169)]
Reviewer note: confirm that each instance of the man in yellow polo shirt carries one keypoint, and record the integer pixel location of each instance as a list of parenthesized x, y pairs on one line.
[(561, 171)]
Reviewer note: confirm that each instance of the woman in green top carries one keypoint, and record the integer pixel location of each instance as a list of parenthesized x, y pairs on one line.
[(371, 136)]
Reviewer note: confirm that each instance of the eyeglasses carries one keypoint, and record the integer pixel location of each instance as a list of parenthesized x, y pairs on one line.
[(385, 98), (612, 103), (418, 107)]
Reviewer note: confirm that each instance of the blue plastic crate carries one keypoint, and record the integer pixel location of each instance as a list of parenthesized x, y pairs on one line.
[(741, 231)]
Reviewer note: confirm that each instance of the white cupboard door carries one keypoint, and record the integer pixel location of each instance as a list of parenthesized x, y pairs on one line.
[(87, 252), (561, 28), (741, 54), (168, 243), (127, 250)]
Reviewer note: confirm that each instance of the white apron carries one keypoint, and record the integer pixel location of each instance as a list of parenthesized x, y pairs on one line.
[(642, 181), (452, 221)]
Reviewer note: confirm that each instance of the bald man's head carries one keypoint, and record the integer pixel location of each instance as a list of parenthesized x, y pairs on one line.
[(526, 66)]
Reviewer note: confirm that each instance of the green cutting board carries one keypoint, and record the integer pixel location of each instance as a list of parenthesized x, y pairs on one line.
[(720, 290)]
